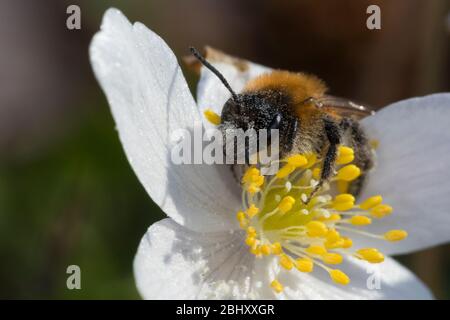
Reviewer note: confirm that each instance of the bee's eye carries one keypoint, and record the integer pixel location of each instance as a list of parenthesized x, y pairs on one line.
[(231, 110), (275, 123)]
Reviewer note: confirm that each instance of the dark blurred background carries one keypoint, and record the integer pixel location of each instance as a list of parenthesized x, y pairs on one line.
[(68, 195)]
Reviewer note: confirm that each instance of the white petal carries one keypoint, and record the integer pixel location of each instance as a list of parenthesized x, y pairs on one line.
[(173, 262), (149, 99), (388, 280), (211, 93), (413, 170)]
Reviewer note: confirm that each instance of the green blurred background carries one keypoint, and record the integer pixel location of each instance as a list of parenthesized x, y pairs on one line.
[(68, 195)]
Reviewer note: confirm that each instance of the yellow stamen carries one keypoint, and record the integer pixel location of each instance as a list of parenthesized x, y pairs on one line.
[(332, 258), (395, 235), (212, 117), (297, 160), (334, 244), (371, 202), (240, 216), (304, 265), (252, 211), (318, 250), (344, 202), (381, 210), (334, 217), (371, 255), (243, 222), (250, 241), (312, 159), (258, 180), (251, 232), (339, 277), (276, 248), (348, 173), (316, 229), (285, 171), (333, 235), (252, 189), (256, 250), (334, 240), (316, 173), (286, 204), (360, 220), (279, 221), (265, 249), (251, 175), (345, 155), (348, 243), (346, 197), (276, 286), (286, 262)]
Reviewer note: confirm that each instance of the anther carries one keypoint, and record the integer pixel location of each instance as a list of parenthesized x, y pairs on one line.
[(371, 202), (317, 250), (360, 220), (286, 262), (212, 117), (252, 211), (304, 265), (348, 173), (286, 204), (339, 277), (343, 202), (265, 249), (297, 161), (371, 255), (332, 258), (316, 229), (395, 235), (276, 248), (381, 210), (285, 171), (276, 286), (345, 155)]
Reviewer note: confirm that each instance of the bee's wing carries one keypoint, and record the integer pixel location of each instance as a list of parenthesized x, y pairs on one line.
[(344, 107)]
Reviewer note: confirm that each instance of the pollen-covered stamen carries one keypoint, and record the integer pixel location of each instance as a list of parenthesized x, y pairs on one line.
[(212, 117), (252, 180), (303, 234), (345, 155)]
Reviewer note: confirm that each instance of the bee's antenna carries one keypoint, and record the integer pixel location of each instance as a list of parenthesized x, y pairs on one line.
[(215, 71)]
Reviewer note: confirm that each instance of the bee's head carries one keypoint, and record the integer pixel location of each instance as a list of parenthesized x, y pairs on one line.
[(254, 110), (265, 109), (257, 110)]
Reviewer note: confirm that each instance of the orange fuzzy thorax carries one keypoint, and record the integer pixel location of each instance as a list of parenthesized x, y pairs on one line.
[(298, 86)]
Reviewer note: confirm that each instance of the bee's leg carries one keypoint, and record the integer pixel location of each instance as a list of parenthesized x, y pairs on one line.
[(333, 134), (363, 153)]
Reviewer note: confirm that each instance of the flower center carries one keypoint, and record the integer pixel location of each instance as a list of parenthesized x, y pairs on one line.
[(283, 217)]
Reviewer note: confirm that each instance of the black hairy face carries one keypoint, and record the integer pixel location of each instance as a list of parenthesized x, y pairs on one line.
[(257, 110), (253, 110)]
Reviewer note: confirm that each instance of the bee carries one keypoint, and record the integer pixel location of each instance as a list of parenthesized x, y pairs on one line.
[(308, 119)]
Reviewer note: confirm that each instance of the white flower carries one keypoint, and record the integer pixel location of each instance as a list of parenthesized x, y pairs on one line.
[(199, 250)]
